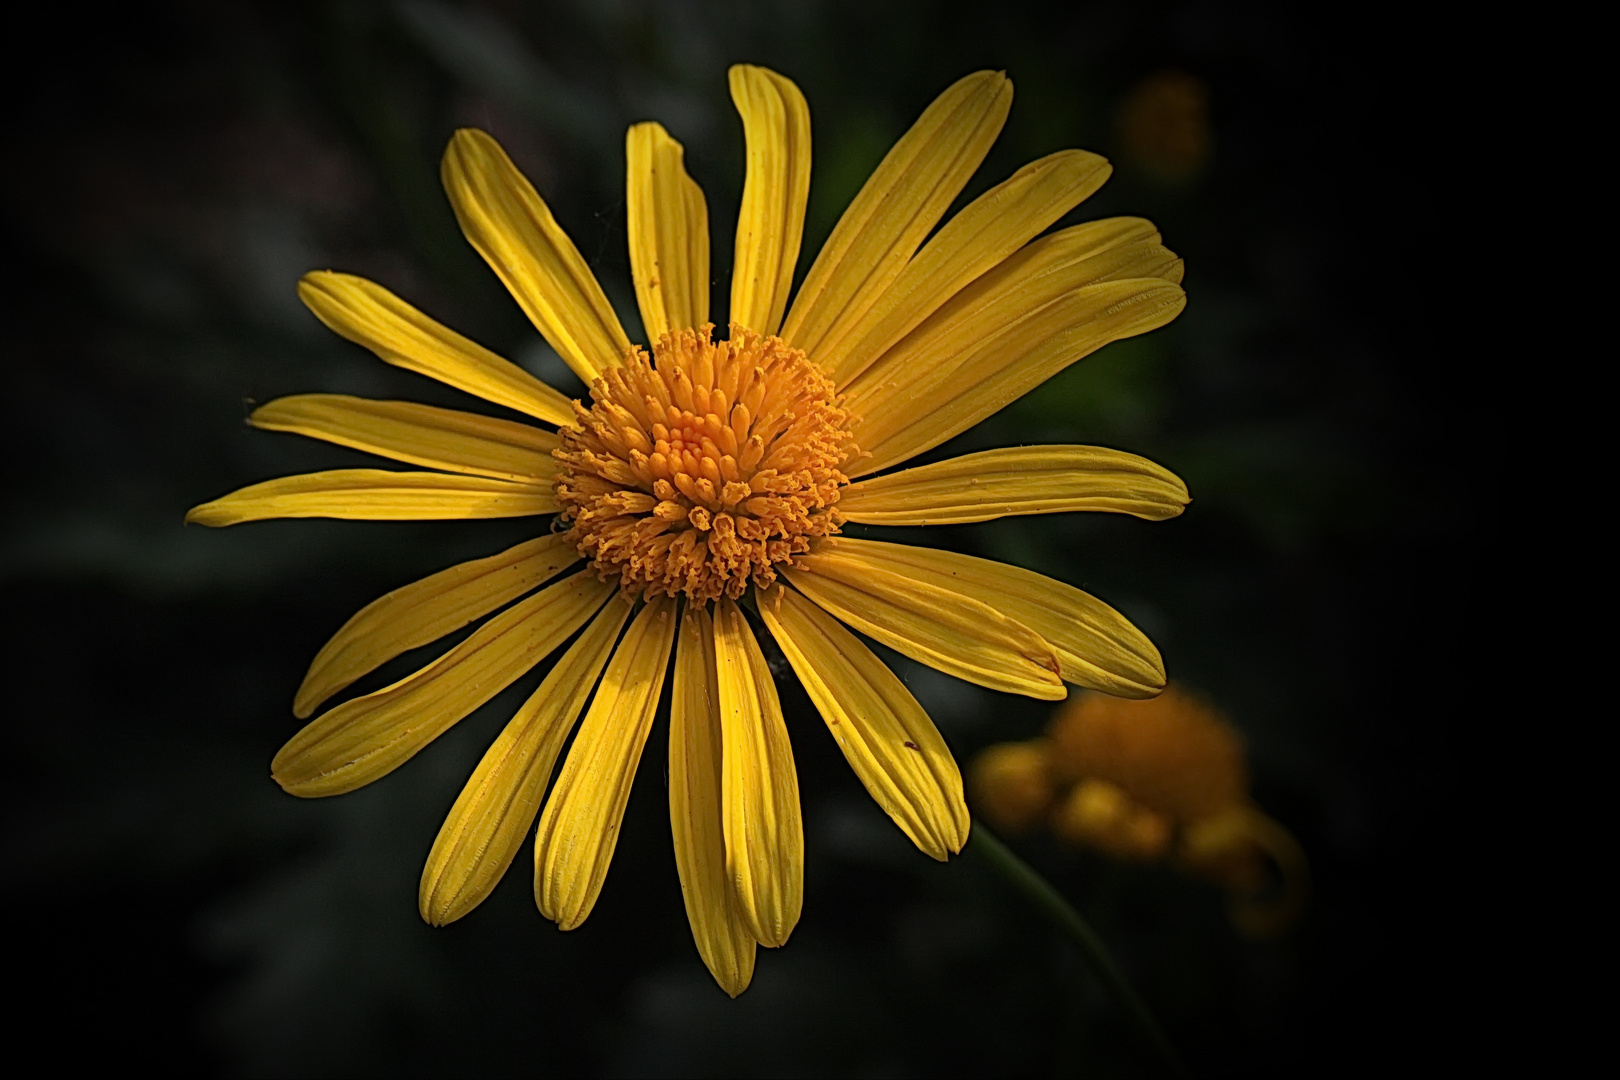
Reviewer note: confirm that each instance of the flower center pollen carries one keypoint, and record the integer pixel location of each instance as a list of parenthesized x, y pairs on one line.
[(704, 468)]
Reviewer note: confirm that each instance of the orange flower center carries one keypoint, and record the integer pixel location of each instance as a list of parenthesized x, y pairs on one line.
[(704, 468)]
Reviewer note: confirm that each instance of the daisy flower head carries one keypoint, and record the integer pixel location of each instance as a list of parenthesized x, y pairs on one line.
[(699, 496)]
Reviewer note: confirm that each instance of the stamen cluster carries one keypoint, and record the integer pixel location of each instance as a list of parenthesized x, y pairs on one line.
[(702, 469)]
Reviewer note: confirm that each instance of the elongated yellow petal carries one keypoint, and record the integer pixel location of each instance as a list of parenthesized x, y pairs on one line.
[(512, 228), (695, 739), (376, 495), (1006, 365), (368, 314), (1051, 303), (1097, 647), (579, 827), (989, 229), (960, 635), (425, 611), (759, 786), (1017, 480), (669, 233), (889, 740), (361, 740), (446, 439), (899, 205), (770, 222), (492, 815)]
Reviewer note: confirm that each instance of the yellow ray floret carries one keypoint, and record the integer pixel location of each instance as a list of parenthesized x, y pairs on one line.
[(447, 439), (361, 740), (579, 827), (759, 785), (770, 222), (1017, 480), (368, 314), (1096, 646), (669, 233), (512, 228), (695, 818), (425, 611), (989, 229), (1010, 352), (1023, 321), (941, 627), (896, 209), (492, 815), (884, 733), (376, 495)]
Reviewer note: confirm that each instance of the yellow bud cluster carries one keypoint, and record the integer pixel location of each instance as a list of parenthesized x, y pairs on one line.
[(1146, 780)]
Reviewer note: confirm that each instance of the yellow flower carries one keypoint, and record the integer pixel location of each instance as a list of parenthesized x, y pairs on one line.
[(1141, 780), (710, 472)]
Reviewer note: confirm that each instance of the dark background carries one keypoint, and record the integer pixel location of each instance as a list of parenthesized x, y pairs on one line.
[(173, 169)]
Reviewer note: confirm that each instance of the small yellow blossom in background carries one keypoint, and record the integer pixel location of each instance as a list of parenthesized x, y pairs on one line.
[(1148, 780), (1164, 126), (708, 476)]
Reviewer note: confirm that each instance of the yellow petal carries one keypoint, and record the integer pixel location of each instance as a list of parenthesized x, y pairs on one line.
[(357, 742), (1097, 647), (960, 635), (722, 940), (368, 314), (580, 824), (446, 439), (425, 611), (1053, 302), (989, 229), (759, 786), (899, 205), (376, 495), (770, 222), (512, 228), (889, 740), (669, 233), (1005, 365), (1017, 480), (491, 817)]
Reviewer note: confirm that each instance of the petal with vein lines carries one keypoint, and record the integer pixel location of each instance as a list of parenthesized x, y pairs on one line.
[(669, 233), (957, 634), (376, 495), (1097, 646), (770, 222), (934, 359), (425, 611), (884, 733), (759, 786), (512, 228), (901, 202), (916, 410), (368, 314), (357, 742), (989, 229), (425, 435), (695, 819), (491, 817), (579, 827), (1017, 480)]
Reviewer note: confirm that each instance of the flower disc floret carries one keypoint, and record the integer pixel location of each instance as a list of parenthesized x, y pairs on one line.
[(705, 467)]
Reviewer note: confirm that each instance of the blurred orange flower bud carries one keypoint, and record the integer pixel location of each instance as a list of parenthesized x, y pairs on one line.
[(1012, 784)]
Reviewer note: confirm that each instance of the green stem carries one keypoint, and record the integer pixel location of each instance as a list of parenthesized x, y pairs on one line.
[(1023, 877)]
